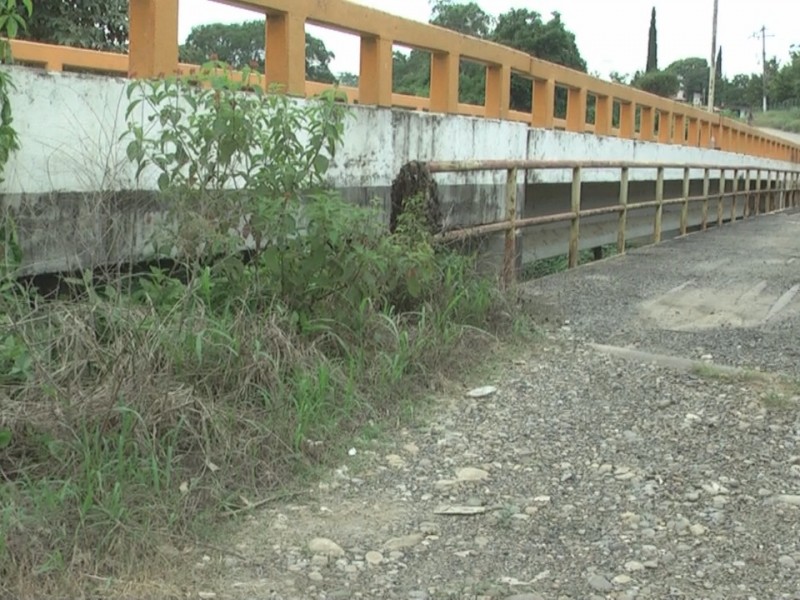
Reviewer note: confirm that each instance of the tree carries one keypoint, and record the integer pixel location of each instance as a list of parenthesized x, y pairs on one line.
[(94, 24), (661, 83), (652, 44), (718, 73), (692, 74), (469, 18), (525, 30), (243, 44), (348, 79)]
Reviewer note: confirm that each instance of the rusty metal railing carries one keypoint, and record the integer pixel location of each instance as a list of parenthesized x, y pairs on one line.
[(772, 190)]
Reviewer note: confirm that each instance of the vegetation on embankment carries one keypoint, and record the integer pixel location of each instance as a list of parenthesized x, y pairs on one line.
[(149, 405), (785, 120)]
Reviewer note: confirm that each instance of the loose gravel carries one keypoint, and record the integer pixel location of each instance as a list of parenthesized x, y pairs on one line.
[(583, 475)]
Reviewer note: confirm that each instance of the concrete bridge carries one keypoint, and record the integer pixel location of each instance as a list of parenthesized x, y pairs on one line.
[(635, 165)]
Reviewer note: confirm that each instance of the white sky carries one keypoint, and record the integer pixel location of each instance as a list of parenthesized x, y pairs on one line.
[(611, 34)]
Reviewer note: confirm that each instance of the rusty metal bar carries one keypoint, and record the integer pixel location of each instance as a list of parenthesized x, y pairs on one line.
[(510, 255), (503, 165), (623, 215), (659, 205), (757, 202), (746, 194), (706, 190), (575, 225), (685, 207)]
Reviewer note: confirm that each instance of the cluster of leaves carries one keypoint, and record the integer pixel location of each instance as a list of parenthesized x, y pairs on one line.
[(14, 15), (94, 24), (243, 45)]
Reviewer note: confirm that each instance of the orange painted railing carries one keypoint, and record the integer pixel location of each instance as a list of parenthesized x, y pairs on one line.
[(154, 52)]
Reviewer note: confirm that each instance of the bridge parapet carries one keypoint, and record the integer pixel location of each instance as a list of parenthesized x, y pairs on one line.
[(154, 52)]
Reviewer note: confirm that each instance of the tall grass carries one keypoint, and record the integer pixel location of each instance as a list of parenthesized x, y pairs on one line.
[(147, 406), (141, 410)]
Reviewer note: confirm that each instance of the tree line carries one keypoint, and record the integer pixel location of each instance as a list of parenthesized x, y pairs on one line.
[(691, 75), (103, 25)]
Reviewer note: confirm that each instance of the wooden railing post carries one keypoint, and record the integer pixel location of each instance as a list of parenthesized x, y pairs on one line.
[(375, 81), (659, 205), (444, 82), (575, 223), (623, 215), (510, 255), (706, 192), (685, 205), (576, 109), (286, 53), (153, 38), (498, 91), (544, 97), (721, 198)]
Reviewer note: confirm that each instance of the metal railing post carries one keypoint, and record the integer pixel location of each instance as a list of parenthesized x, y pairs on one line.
[(575, 224), (735, 190), (685, 205), (659, 205), (721, 198), (757, 194), (623, 214), (746, 194), (706, 192), (510, 255)]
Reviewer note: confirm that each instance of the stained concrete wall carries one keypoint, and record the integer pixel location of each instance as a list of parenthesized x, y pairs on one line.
[(77, 203)]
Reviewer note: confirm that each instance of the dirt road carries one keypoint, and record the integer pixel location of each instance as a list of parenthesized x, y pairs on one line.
[(592, 471)]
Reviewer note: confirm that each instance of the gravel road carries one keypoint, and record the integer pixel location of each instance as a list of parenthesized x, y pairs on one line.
[(585, 474)]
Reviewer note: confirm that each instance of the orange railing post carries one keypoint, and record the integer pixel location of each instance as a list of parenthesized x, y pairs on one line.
[(544, 97), (444, 82), (375, 81), (286, 52), (603, 114), (153, 38), (498, 91)]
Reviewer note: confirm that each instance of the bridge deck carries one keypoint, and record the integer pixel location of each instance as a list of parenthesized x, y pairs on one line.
[(732, 293)]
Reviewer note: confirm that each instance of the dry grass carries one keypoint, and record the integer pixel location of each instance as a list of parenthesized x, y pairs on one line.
[(129, 427)]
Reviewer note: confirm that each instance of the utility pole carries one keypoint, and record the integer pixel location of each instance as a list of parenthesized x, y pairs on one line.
[(764, 64), (712, 73)]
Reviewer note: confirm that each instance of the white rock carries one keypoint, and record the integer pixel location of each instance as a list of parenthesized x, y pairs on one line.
[(482, 392), (471, 474), (406, 541), (633, 565), (374, 558), (326, 547)]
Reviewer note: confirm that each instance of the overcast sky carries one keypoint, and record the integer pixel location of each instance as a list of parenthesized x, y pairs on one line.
[(611, 34)]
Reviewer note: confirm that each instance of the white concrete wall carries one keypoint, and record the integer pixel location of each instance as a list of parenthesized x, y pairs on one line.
[(70, 125)]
